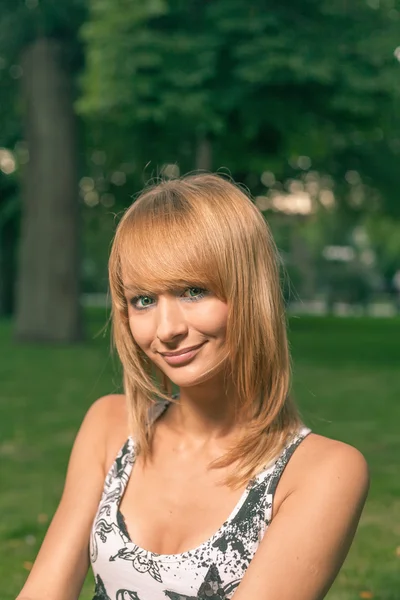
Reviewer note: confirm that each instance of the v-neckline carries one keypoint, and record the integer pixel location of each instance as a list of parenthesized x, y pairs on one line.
[(120, 517)]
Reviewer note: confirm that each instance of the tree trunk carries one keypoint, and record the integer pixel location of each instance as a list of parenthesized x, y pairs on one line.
[(47, 303)]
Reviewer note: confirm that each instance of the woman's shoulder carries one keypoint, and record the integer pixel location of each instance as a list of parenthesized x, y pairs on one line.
[(318, 452), (320, 460), (108, 416)]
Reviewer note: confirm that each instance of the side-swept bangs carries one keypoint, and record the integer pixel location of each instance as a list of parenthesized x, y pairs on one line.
[(166, 242)]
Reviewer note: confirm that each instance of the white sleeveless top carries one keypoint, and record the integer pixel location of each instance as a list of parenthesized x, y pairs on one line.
[(212, 571)]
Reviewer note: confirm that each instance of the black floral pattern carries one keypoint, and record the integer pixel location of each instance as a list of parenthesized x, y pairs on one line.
[(141, 560), (115, 483)]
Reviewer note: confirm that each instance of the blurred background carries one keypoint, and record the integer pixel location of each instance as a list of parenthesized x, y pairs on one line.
[(298, 101)]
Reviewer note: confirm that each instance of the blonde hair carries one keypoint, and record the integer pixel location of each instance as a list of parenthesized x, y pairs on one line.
[(204, 230)]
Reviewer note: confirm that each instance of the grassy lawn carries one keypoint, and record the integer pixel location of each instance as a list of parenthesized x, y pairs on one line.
[(346, 380)]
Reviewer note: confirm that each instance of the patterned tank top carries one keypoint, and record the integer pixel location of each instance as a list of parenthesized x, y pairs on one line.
[(212, 571)]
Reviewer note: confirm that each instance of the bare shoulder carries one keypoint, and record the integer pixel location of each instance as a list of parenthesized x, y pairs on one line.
[(323, 491), (321, 461), (320, 453), (109, 417), (318, 447), (62, 562), (108, 411)]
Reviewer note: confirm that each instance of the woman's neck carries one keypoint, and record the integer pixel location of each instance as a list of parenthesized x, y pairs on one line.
[(206, 411)]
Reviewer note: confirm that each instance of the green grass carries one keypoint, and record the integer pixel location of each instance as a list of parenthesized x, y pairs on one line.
[(346, 380)]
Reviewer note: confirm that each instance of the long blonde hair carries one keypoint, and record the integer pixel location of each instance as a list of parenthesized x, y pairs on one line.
[(204, 230)]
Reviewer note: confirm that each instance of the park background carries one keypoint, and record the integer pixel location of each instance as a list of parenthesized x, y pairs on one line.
[(297, 101)]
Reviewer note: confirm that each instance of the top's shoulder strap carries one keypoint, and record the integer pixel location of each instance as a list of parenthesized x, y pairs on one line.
[(157, 409), (284, 458)]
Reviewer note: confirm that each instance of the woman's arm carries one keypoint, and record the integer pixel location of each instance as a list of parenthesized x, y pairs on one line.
[(62, 563), (309, 538)]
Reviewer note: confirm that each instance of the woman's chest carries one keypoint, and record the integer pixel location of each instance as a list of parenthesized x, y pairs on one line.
[(169, 509), (202, 554)]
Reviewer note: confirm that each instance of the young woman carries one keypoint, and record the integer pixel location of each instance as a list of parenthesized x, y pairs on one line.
[(219, 491)]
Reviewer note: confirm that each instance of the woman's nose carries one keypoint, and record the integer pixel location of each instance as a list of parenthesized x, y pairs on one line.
[(170, 320)]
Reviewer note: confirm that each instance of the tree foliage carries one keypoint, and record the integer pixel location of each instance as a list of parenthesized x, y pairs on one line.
[(21, 23), (265, 82)]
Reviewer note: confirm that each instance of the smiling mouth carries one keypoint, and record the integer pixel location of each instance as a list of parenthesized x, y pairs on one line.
[(181, 352), (182, 357)]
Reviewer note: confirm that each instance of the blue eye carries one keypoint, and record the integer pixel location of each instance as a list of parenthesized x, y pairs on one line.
[(195, 293), (142, 302)]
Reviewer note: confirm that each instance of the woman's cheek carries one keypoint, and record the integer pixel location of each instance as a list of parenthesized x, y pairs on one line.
[(135, 329)]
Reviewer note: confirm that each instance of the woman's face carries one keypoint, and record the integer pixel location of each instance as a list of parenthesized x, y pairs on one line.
[(183, 332)]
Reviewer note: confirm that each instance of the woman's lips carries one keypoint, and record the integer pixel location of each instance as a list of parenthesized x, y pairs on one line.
[(183, 358)]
